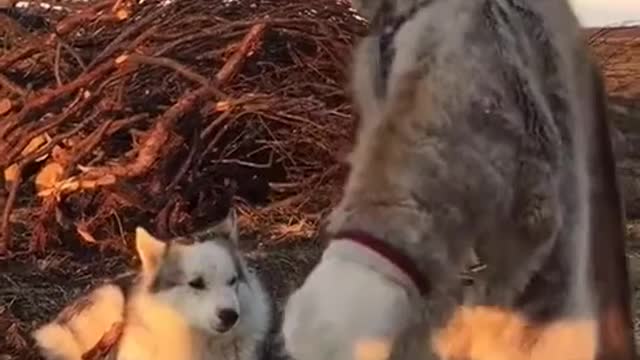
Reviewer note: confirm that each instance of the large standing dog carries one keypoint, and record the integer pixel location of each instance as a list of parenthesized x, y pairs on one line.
[(195, 300), (483, 127)]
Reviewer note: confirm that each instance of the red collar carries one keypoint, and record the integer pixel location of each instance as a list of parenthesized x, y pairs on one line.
[(396, 257)]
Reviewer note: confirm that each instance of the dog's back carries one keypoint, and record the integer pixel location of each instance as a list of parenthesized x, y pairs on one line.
[(81, 324), (473, 118), (483, 126)]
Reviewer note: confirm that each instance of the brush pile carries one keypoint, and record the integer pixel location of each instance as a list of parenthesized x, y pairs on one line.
[(117, 113)]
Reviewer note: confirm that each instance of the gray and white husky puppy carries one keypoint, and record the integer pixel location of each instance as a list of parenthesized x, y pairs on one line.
[(195, 299)]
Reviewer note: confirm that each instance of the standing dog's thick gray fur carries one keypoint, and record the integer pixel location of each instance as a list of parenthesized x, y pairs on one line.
[(481, 128), (476, 137)]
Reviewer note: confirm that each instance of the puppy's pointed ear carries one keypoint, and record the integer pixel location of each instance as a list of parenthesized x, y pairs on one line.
[(228, 227), (150, 250)]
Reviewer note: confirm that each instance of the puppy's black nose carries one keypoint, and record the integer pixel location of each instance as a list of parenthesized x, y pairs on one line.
[(228, 318)]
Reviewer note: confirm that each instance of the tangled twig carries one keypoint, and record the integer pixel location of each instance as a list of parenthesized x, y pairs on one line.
[(114, 95)]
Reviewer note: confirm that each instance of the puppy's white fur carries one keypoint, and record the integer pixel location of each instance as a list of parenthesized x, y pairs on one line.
[(165, 316), (81, 324)]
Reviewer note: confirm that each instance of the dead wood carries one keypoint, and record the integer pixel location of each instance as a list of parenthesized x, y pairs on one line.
[(247, 46), (187, 105)]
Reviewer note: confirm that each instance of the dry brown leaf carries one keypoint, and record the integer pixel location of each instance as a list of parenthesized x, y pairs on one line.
[(5, 106), (49, 176), (122, 14), (73, 184), (300, 227), (222, 106), (11, 172), (85, 234), (122, 58), (36, 143), (47, 140)]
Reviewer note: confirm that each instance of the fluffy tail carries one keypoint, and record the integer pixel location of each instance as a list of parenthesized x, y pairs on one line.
[(81, 324)]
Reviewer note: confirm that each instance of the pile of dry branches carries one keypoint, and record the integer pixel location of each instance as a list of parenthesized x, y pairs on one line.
[(618, 52), (116, 114)]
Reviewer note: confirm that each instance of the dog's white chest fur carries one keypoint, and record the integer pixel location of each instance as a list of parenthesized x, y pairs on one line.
[(355, 298)]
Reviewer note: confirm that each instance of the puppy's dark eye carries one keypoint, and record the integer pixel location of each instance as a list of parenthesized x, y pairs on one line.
[(232, 281), (197, 283)]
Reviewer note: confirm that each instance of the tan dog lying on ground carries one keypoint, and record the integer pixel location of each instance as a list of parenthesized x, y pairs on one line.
[(483, 128)]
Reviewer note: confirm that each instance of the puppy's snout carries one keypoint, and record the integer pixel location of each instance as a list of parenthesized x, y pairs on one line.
[(228, 318)]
